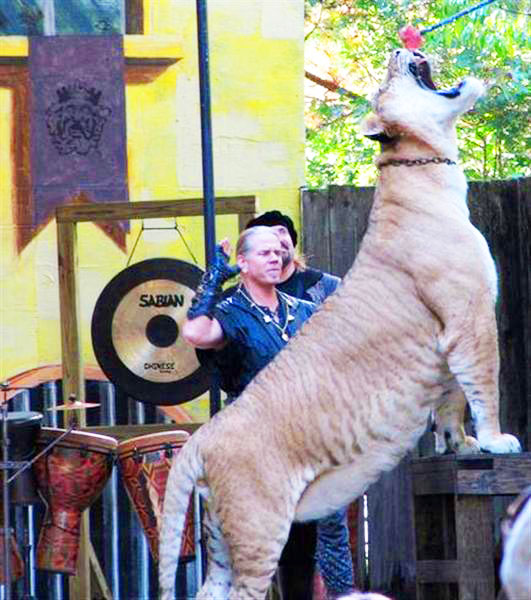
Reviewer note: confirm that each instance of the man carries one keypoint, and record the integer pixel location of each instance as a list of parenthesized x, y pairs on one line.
[(332, 548), (296, 279), (247, 329), (239, 335)]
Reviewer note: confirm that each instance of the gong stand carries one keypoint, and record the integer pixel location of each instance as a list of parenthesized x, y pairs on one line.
[(18, 467)]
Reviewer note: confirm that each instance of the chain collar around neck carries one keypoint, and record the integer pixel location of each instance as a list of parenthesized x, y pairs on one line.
[(412, 162)]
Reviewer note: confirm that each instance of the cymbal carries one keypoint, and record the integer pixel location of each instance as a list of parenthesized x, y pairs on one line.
[(136, 332), (73, 406), (7, 386)]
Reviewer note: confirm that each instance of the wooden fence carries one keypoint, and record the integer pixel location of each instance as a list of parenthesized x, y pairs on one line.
[(334, 222)]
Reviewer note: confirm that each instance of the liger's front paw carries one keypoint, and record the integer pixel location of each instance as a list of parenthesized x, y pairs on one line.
[(459, 444), (468, 446), (502, 443)]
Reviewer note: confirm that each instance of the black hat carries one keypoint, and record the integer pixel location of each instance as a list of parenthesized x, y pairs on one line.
[(275, 217)]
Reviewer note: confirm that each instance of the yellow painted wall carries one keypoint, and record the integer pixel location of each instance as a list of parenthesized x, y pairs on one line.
[(256, 71)]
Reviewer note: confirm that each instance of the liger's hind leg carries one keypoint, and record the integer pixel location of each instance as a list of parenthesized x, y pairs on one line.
[(255, 563), (219, 574), (255, 551), (449, 432)]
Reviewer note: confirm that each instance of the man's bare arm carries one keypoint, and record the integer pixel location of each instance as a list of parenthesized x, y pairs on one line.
[(204, 333)]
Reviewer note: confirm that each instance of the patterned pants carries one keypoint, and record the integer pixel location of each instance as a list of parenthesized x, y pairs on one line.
[(333, 555)]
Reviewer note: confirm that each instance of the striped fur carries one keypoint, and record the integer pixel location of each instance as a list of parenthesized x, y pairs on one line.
[(411, 326)]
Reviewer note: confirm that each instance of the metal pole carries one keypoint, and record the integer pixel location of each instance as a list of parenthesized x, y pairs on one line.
[(197, 541), (209, 209), (26, 518), (55, 580), (5, 499), (206, 131), (110, 495), (137, 416), (209, 212)]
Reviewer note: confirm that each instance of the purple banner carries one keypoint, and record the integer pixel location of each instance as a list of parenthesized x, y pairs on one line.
[(78, 131)]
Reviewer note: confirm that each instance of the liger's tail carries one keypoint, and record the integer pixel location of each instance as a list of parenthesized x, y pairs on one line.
[(186, 469)]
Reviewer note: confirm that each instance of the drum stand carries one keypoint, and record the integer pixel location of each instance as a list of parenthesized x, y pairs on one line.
[(5, 466)]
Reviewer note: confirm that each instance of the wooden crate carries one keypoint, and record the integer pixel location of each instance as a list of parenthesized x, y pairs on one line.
[(455, 523)]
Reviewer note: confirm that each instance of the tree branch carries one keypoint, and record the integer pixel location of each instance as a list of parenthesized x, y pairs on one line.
[(332, 86)]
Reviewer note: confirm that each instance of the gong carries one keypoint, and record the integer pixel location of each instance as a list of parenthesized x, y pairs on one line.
[(136, 332)]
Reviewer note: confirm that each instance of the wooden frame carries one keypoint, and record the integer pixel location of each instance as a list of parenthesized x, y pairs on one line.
[(72, 358), (67, 218)]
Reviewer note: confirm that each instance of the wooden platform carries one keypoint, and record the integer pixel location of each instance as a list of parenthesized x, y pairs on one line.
[(455, 521)]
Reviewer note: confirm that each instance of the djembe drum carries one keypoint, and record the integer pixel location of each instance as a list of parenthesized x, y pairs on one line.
[(23, 429), (145, 463), (70, 477), (17, 564)]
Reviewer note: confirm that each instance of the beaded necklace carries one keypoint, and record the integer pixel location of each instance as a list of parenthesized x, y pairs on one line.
[(269, 320)]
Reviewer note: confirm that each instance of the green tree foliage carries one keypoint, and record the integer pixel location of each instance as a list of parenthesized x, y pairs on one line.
[(348, 43)]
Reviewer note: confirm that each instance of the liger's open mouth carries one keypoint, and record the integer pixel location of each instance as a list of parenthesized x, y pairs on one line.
[(419, 67)]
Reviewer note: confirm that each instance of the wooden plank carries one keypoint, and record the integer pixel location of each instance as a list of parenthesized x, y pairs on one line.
[(483, 474), (523, 200), (315, 216), (243, 219), (72, 358), (363, 207), (391, 533), (433, 475), (350, 208), (79, 584), (475, 547), (440, 482), (73, 381), (343, 222), (509, 475), (116, 211), (437, 571), (98, 578)]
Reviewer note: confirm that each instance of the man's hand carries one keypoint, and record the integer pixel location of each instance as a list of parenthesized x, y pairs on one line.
[(221, 262), (226, 247), (209, 289)]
